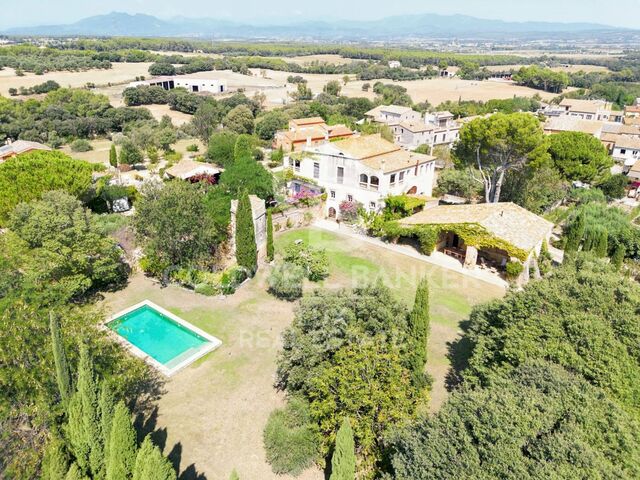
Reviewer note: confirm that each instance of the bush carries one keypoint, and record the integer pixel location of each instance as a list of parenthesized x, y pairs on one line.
[(206, 289), (81, 145), (314, 262), (614, 186), (285, 281), (514, 269), (291, 438), (192, 148)]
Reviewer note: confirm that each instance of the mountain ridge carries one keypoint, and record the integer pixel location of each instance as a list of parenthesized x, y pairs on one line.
[(420, 25)]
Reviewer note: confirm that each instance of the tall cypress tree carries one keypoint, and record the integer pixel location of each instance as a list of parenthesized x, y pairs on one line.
[(122, 445), (270, 250), (106, 407), (151, 464), (601, 243), (246, 250), (574, 234), (343, 461), (84, 427), (419, 332), (113, 156), (617, 259), (63, 377), (55, 463)]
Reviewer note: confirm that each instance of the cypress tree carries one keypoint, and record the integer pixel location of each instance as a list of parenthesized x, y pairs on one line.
[(84, 427), (343, 461), (419, 332), (113, 156), (589, 239), (617, 259), (55, 463), (246, 250), (106, 406), (601, 243), (75, 473), (151, 464), (63, 377), (243, 147), (270, 250), (122, 445), (574, 234)]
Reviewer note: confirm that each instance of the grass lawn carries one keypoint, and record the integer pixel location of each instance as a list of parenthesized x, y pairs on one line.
[(213, 412)]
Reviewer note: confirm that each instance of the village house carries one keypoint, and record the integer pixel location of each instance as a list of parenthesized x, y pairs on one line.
[(394, 64), (364, 170), (567, 123), (633, 111), (392, 114), (19, 146), (194, 85), (492, 234), (626, 150), (634, 171), (306, 132), (590, 110)]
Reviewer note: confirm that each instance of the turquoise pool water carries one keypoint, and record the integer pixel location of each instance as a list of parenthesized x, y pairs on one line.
[(157, 335)]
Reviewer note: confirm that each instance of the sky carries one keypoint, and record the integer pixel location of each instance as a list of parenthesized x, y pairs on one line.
[(622, 13)]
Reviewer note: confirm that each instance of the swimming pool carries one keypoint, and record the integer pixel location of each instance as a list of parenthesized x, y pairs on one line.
[(166, 341)]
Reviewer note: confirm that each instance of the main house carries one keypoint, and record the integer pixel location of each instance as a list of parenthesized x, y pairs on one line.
[(364, 169), (306, 132)]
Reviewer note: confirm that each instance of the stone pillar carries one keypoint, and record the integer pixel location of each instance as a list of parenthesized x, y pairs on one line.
[(471, 257)]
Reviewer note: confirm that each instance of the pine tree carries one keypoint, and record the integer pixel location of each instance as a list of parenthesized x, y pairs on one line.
[(270, 250), (617, 259), (60, 359), (246, 250), (601, 243), (113, 156), (574, 235), (122, 445), (84, 427), (419, 332), (343, 461), (55, 463), (151, 464), (106, 406)]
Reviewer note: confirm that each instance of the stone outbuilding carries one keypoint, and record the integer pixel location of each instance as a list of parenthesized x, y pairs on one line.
[(493, 234)]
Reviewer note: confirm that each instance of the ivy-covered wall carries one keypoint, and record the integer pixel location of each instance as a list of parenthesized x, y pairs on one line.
[(472, 234)]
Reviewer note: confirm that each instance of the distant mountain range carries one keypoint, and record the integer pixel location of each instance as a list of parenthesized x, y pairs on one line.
[(404, 26)]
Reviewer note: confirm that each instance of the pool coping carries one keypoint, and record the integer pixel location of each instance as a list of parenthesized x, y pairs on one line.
[(214, 342)]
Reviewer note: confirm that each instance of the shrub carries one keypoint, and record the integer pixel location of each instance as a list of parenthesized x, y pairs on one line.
[(614, 186), (206, 289), (314, 261), (81, 145), (285, 281), (192, 148), (291, 438), (514, 269), (349, 211)]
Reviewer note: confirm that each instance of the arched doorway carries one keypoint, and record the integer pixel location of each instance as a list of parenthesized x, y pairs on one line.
[(332, 212), (413, 190)]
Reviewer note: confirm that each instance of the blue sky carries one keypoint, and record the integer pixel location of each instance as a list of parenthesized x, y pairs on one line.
[(624, 13)]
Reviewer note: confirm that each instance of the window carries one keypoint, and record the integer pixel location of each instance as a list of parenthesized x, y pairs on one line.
[(372, 205), (374, 183), (296, 165), (340, 174), (333, 194), (316, 170), (364, 181), (401, 177), (623, 151), (350, 198), (392, 180)]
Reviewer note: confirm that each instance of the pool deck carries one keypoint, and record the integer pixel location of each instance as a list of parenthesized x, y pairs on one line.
[(184, 360)]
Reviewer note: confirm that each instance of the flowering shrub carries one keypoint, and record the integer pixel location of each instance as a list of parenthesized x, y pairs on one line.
[(304, 197), (204, 178), (349, 211)]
